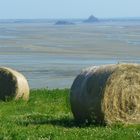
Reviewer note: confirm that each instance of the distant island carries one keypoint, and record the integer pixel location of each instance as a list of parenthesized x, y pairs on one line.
[(62, 22), (91, 19)]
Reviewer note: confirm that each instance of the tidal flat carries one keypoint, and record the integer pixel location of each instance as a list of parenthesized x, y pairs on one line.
[(51, 56)]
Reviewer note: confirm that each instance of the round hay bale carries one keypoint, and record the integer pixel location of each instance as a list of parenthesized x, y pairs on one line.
[(107, 94), (13, 85)]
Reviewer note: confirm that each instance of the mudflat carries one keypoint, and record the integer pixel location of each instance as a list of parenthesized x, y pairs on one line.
[(51, 56)]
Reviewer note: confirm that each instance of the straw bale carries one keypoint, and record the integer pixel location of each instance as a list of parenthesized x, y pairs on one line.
[(13, 85), (107, 94)]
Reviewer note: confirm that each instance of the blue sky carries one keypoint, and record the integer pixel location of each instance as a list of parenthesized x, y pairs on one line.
[(68, 8)]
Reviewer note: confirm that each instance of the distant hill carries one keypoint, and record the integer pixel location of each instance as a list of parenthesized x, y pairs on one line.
[(62, 22), (91, 19)]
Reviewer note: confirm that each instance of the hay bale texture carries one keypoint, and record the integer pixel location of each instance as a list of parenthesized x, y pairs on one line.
[(13, 85), (107, 94)]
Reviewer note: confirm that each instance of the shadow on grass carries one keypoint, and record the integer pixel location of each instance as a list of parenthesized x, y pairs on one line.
[(45, 120)]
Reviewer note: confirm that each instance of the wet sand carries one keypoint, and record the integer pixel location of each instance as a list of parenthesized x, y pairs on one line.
[(51, 56)]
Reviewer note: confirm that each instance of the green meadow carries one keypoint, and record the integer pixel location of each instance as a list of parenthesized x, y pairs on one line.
[(47, 116)]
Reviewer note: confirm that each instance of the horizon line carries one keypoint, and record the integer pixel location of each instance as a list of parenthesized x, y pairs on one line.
[(47, 18)]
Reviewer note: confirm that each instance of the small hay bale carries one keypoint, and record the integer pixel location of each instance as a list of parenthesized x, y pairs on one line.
[(13, 85), (107, 94)]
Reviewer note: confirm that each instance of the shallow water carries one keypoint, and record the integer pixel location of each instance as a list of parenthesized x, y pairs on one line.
[(51, 56)]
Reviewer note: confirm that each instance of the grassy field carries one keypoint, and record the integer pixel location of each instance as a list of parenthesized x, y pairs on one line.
[(47, 116)]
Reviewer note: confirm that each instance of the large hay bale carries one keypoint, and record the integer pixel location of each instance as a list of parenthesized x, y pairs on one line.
[(13, 85), (107, 94)]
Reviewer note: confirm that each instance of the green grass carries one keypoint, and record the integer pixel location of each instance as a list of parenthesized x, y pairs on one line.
[(47, 116)]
